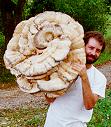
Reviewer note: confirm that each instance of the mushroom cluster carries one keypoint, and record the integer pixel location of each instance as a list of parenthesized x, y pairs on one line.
[(42, 51)]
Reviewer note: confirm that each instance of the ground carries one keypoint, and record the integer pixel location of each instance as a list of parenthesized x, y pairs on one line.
[(13, 97)]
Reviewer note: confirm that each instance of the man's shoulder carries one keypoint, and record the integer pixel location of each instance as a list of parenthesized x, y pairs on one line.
[(98, 73)]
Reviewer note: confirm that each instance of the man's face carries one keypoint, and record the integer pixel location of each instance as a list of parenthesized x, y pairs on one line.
[(93, 50)]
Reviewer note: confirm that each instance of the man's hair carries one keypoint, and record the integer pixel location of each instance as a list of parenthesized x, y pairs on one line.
[(96, 35)]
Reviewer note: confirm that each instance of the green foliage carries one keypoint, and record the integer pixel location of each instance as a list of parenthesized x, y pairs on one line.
[(108, 35), (5, 75), (29, 117), (2, 39), (96, 15), (38, 119), (108, 31), (102, 112), (103, 58), (91, 14), (34, 121), (33, 7), (23, 117), (14, 1), (27, 9)]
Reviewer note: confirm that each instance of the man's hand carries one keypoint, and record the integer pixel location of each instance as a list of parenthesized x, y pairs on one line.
[(89, 97), (80, 68)]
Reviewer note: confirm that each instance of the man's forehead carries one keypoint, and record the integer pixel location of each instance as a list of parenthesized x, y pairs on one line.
[(94, 43)]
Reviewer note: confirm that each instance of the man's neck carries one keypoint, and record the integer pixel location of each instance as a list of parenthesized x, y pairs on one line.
[(88, 66)]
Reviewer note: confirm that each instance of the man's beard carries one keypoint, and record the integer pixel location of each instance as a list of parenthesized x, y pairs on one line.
[(92, 60)]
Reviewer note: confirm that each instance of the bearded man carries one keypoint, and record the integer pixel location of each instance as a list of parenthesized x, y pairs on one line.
[(75, 108)]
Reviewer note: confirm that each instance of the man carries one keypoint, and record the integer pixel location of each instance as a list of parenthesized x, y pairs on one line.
[(75, 108)]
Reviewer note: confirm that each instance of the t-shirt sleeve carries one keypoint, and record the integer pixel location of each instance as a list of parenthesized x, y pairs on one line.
[(99, 85)]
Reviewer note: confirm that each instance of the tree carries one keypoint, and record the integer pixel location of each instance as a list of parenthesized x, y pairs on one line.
[(92, 14), (11, 15), (37, 6), (13, 11)]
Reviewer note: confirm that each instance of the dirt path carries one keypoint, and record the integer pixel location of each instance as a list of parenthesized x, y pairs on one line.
[(106, 70), (14, 98)]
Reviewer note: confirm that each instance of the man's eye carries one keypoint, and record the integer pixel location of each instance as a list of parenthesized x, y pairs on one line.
[(98, 51), (91, 48)]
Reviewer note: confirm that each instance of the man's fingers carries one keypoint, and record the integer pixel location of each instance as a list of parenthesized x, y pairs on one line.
[(76, 68), (78, 60)]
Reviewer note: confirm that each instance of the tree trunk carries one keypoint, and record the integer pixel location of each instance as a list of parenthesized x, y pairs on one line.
[(19, 11), (7, 16), (11, 15)]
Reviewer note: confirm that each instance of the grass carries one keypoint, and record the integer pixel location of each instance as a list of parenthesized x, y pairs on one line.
[(35, 117), (105, 57), (23, 117), (102, 112)]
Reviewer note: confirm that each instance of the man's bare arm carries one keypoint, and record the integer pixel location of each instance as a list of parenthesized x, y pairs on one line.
[(89, 98)]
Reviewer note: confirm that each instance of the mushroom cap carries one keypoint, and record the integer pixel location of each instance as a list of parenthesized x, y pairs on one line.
[(42, 47)]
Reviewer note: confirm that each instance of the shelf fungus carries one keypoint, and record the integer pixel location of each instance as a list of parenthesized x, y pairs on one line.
[(42, 51)]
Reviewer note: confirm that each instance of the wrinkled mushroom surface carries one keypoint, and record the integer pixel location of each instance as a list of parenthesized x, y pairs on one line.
[(42, 51)]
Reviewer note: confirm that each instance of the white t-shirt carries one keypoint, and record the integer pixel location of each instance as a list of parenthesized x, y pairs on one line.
[(69, 108)]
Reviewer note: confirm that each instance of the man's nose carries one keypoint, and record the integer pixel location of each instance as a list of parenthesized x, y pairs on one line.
[(93, 52)]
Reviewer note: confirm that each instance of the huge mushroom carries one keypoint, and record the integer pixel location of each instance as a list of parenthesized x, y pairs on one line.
[(42, 51)]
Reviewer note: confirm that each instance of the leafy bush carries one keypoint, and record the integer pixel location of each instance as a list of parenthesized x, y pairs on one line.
[(5, 75), (33, 7), (108, 35), (91, 14), (103, 58), (2, 39)]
